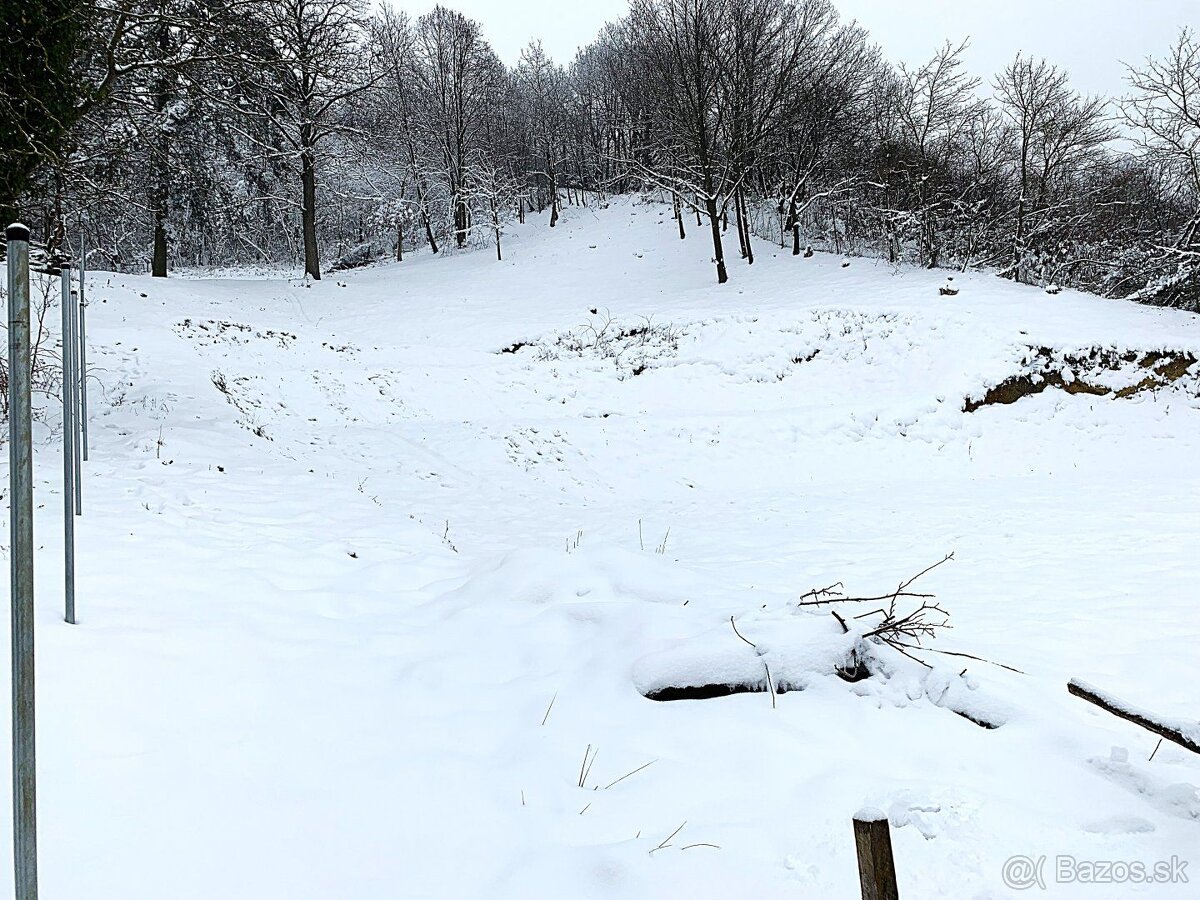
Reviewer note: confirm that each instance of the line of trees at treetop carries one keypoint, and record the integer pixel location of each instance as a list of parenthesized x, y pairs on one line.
[(224, 132)]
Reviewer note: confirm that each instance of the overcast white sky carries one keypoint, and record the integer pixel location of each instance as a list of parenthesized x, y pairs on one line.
[(1089, 38)]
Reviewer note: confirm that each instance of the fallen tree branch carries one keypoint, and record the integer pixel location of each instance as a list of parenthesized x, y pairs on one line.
[(904, 632), (1185, 734), (901, 632), (833, 593), (923, 622), (982, 659)]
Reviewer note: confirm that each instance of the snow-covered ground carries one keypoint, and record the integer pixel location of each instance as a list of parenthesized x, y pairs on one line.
[(368, 606)]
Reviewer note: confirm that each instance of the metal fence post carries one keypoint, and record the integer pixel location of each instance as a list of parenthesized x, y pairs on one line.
[(83, 345), (77, 405), (20, 456), (68, 404)]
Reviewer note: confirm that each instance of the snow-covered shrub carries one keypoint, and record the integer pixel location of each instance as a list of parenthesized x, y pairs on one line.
[(44, 355), (357, 257)]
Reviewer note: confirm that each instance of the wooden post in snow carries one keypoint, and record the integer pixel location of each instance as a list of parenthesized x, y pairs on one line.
[(876, 868)]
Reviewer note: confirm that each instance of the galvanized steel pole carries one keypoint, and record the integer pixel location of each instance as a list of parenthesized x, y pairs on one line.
[(68, 410), (77, 406), (83, 344), (20, 459)]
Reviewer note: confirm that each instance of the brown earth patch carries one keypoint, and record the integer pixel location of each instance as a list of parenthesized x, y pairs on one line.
[(1044, 371)]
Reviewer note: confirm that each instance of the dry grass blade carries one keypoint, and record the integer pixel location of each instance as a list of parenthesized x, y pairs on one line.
[(546, 717), (628, 774), (667, 841), (585, 767)]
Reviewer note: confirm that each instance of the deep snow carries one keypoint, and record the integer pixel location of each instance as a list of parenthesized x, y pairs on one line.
[(324, 612)]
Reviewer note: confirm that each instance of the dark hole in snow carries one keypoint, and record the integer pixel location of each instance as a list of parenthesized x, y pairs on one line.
[(672, 692), (710, 691), (514, 347), (856, 672), (806, 358)]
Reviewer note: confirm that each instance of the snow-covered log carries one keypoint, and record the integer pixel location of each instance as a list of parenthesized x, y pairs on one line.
[(1182, 732)]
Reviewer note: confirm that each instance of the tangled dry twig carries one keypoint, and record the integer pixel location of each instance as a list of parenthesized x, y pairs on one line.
[(834, 592), (905, 632)]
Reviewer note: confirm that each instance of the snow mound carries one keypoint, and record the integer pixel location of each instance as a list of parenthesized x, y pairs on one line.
[(793, 651)]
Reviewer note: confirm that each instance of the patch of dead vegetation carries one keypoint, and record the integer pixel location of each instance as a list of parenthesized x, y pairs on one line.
[(632, 349), (212, 332)]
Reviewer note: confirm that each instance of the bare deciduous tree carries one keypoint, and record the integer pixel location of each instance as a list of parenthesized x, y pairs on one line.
[(311, 63), (1055, 128)]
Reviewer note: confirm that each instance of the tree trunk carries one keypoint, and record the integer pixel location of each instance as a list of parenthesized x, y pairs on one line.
[(794, 218), (422, 192), (56, 228), (496, 226), (161, 163), (1018, 239), (462, 219), (1019, 236), (739, 222), (714, 220), (433, 247), (745, 217), (308, 213), (678, 213), (158, 265), (552, 178), (399, 243)]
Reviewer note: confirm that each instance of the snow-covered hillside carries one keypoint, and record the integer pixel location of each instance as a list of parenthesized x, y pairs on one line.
[(374, 574)]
